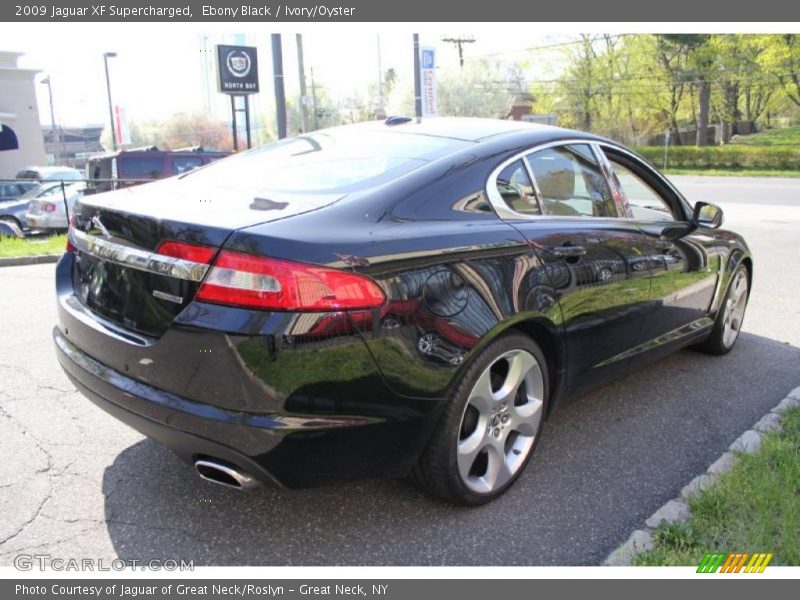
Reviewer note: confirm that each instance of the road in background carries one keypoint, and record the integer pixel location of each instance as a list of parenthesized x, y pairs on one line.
[(76, 483)]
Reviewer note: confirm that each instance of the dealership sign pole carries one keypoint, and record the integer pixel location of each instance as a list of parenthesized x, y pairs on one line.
[(428, 77), (237, 70)]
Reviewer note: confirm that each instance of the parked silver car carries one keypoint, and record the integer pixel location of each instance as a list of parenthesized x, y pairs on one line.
[(49, 211), (12, 214)]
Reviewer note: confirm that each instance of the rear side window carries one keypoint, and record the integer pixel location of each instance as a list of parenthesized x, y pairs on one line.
[(571, 182), (516, 189), (141, 167)]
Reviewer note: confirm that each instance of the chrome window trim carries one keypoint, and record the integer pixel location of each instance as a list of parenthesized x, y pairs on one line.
[(135, 258), (612, 179), (504, 212)]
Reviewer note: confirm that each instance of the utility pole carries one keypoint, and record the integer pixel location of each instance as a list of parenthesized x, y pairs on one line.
[(280, 94), (459, 42), (417, 81), (301, 68), (55, 136), (314, 100), (379, 110), (106, 56)]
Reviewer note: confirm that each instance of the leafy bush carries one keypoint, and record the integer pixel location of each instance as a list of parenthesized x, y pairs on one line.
[(723, 157)]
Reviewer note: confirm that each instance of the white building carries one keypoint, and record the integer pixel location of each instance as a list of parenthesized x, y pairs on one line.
[(21, 140)]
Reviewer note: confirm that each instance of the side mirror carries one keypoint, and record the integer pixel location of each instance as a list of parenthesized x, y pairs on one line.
[(707, 215)]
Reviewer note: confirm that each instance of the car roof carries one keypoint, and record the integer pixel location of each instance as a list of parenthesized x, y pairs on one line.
[(460, 128), (46, 170)]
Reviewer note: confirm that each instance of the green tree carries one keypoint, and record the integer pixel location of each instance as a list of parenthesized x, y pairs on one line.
[(780, 58)]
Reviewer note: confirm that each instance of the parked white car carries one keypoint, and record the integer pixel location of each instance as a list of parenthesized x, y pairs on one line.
[(50, 212)]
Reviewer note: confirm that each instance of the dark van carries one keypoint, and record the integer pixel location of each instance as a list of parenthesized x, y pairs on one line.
[(131, 167)]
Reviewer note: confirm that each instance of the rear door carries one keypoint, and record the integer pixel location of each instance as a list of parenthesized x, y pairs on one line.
[(565, 208), (684, 264)]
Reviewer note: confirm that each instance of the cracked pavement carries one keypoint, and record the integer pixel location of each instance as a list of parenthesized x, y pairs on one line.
[(76, 483)]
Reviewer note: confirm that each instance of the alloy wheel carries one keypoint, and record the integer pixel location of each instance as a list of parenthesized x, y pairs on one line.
[(500, 421), (735, 306)]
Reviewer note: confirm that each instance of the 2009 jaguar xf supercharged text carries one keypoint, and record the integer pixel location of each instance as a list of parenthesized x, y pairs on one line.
[(387, 298)]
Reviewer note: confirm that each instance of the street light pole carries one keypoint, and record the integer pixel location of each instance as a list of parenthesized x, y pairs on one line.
[(303, 91), (280, 94), (55, 137), (106, 56), (417, 81)]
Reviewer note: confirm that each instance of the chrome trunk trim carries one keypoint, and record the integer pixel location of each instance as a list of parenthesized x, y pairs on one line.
[(135, 258)]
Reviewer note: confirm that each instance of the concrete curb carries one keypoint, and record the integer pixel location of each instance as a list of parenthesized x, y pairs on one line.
[(17, 261), (677, 509)]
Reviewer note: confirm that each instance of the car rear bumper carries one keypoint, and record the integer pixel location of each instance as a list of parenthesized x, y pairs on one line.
[(285, 450)]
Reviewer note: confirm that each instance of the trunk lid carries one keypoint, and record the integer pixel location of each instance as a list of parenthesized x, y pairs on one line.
[(119, 274)]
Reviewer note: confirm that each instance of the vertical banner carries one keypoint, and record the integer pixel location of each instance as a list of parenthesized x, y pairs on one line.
[(121, 128), (428, 77)]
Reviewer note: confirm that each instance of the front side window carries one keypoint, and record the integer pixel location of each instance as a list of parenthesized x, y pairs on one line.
[(515, 188), (571, 182), (644, 203)]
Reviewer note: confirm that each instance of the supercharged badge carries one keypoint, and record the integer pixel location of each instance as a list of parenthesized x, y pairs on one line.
[(168, 297)]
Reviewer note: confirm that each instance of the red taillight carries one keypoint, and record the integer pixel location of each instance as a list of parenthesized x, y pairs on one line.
[(48, 207), (193, 252), (272, 284)]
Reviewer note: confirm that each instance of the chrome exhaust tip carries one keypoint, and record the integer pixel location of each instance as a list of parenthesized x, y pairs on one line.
[(224, 474)]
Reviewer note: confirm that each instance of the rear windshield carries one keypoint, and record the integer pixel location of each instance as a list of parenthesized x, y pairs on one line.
[(327, 162)]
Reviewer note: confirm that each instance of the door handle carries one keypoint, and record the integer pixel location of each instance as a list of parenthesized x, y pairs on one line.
[(568, 251)]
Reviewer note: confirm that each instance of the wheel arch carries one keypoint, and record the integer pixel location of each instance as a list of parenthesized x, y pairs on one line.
[(747, 261), (552, 345)]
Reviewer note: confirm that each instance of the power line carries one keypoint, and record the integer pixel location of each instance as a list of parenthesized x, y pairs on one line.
[(550, 46), (459, 42)]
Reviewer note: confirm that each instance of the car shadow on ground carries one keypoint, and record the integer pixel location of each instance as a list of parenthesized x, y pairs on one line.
[(606, 462)]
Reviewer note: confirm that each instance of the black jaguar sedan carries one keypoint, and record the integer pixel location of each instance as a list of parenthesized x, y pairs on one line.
[(387, 298)]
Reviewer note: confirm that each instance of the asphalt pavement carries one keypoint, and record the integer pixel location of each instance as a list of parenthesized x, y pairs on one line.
[(75, 483)]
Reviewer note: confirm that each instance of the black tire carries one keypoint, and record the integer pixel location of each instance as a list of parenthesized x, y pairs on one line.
[(437, 470), (716, 342)]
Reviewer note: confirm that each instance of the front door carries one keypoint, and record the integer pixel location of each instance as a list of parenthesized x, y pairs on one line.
[(563, 204), (685, 266)]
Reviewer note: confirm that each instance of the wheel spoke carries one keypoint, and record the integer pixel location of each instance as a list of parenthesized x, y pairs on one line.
[(739, 290), (482, 397), (518, 368), (497, 470), (468, 451), (525, 418)]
